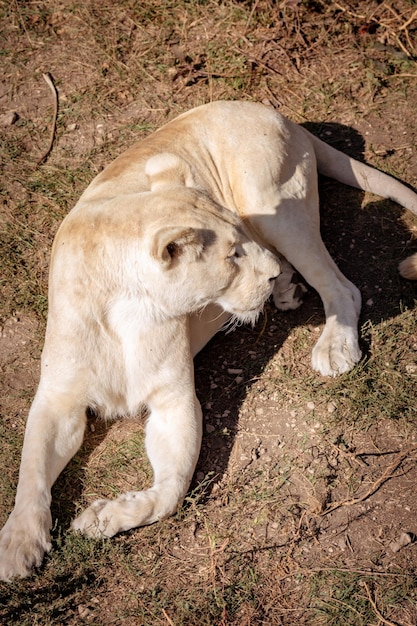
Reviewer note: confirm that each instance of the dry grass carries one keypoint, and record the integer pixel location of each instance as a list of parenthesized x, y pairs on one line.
[(259, 539)]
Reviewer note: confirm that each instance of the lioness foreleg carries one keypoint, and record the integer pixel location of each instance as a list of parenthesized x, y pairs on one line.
[(54, 433), (173, 440)]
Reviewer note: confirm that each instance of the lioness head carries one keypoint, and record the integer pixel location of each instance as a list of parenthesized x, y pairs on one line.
[(203, 251), (199, 253)]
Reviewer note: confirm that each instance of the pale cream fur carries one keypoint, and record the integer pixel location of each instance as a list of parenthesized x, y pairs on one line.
[(184, 232)]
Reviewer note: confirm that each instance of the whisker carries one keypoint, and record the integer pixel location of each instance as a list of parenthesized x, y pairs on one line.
[(201, 310), (231, 324), (218, 316)]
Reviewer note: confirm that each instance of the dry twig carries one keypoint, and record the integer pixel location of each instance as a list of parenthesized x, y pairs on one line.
[(408, 22), (167, 617), (49, 81), (387, 475), (375, 608)]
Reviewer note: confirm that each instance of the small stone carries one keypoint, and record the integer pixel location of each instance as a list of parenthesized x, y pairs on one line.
[(210, 428), (8, 119), (311, 406), (234, 372), (100, 134), (83, 610), (331, 407), (403, 540)]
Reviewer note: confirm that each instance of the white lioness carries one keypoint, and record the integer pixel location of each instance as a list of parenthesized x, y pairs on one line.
[(163, 248)]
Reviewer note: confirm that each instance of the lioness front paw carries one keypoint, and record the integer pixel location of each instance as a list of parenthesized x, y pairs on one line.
[(96, 521), (22, 548), (106, 518), (336, 353)]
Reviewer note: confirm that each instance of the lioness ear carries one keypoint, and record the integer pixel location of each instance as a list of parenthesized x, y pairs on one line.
[(172, 244), (168, 170)]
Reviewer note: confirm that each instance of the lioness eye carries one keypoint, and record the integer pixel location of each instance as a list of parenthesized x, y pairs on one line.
[(235, 252)]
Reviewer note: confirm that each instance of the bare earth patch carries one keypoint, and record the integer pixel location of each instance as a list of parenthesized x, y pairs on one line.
[(303, 507)]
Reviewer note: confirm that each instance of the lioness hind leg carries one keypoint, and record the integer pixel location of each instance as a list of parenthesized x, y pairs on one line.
[(288, 290), (54, 433), (173, 439)]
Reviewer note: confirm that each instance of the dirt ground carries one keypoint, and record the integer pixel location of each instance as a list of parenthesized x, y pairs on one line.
[(303, 507)]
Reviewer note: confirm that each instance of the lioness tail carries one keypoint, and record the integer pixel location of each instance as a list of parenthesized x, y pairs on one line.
[(341, 167)]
